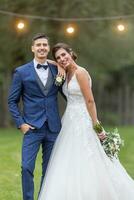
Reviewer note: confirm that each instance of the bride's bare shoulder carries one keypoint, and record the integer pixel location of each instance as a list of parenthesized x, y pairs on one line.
[(82, 72)]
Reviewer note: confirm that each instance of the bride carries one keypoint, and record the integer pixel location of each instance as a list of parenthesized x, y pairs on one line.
[(79, 169)]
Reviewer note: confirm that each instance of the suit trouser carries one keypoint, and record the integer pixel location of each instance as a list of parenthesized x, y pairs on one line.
[(32, 141)]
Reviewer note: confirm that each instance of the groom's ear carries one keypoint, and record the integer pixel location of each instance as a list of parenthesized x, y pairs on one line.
[(32, 48), (48, 48)]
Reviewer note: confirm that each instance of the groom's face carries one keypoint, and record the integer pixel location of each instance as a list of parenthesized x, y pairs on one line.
[(40, 48)]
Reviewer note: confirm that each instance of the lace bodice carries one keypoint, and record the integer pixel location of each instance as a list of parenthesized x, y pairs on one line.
[(73, 92), (76, 105)]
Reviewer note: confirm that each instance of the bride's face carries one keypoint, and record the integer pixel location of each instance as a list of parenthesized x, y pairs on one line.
[(63, 58)]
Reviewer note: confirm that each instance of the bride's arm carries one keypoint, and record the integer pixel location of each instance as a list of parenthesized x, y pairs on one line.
[(61, 71), (51, 61), (84, 81), (85, 85)]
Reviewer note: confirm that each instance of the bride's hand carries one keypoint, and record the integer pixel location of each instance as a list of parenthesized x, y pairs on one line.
[(102, 135), (61, 71)]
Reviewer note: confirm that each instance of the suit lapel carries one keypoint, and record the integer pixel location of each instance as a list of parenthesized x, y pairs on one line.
[(53, 70), (51, 77), (49, 83)]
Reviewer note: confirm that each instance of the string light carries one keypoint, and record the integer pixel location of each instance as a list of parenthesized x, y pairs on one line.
[(67, 19), (70, 29), (20, 25), (120, 27)]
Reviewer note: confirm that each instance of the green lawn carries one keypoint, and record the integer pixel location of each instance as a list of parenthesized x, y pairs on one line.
[(10, 151), (10, 159)]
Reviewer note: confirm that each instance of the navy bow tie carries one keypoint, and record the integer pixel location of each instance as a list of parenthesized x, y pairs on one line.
[(42, 66)]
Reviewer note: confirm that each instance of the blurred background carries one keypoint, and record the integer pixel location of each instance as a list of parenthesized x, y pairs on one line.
[(102, 35), (100, 32)]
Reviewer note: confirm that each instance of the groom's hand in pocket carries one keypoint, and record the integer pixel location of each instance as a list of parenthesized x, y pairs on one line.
[(25, 128)]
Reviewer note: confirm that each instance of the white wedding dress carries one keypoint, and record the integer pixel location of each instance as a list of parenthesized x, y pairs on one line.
[(79, 168)]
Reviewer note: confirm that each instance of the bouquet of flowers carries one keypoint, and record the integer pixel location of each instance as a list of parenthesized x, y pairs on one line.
[(112, 143), (59, 80)]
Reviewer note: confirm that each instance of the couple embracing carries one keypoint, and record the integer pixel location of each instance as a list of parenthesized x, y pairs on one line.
[(74, 164)]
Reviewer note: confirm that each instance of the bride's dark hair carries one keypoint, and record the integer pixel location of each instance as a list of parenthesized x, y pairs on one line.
[(64, 46)]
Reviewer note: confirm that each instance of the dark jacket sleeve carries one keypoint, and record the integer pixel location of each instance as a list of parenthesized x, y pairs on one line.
[(61, 92), (14, 98)]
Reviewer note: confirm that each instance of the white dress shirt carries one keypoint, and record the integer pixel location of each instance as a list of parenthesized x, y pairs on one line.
[(42, 73)]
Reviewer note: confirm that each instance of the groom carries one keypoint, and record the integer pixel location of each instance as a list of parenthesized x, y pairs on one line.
[(39, 120)]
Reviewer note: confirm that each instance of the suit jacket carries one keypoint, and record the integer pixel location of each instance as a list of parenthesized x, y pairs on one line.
[(39, 102)]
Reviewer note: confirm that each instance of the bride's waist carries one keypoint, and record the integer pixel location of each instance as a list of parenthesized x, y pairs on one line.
[(78, 110), (76, 104)]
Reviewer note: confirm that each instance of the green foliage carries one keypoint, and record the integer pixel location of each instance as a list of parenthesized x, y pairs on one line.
[(98, 127)]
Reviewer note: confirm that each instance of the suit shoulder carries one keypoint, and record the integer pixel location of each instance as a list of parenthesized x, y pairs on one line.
[(23, 67), (53, 66)]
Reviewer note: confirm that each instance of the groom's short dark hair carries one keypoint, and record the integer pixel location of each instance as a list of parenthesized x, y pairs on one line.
[(38, 36)]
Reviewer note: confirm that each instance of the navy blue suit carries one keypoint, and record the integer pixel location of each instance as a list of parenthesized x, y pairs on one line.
[(40, 110)]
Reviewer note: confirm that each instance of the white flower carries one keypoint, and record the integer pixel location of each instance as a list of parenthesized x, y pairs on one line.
[(59, 80), (115, 140), (112, 144)]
